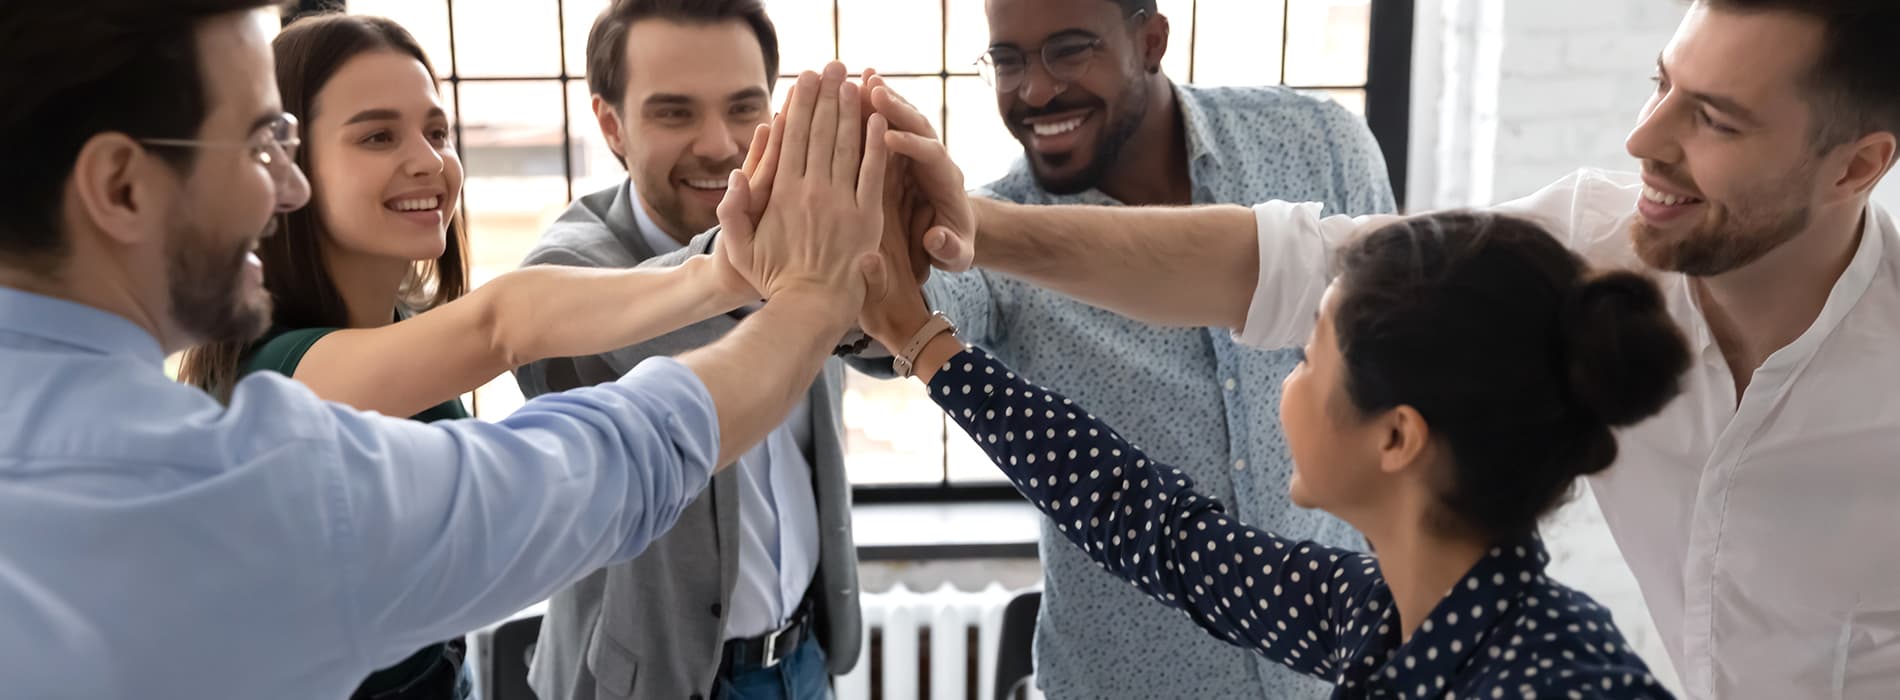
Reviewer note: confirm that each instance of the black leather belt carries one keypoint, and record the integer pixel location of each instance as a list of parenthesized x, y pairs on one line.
[(769, 649)]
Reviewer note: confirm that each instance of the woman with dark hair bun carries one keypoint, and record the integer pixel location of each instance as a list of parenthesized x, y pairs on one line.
[(1465, 370)]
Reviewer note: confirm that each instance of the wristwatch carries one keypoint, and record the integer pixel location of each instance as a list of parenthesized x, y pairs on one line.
[(904, 361)]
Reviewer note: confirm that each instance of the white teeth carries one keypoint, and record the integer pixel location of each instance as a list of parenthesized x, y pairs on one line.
[(706, 184), (424, 204), (1057, 128), (1665, 198)]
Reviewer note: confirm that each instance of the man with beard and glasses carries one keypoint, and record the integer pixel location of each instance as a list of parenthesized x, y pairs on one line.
[(1079, 83), (754, 592), (155, 543), (1757, 510)]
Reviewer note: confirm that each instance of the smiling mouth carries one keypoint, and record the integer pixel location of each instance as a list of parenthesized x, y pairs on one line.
[(1668, 200), (705, 184), (415, 204), (1058, 128)]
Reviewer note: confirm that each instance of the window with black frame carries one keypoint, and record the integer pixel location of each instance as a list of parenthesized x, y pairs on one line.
[(513, 71)]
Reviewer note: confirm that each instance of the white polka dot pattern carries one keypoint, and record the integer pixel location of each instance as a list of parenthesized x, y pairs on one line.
[(1504, 630)]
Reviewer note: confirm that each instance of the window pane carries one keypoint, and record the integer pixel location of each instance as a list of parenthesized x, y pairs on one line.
[(1329, 43), (426, 20), (1354, 100), (595, 166), (968, 34), (893, 433), (578, 17), (869, 35), (1238, 42), (978, 142), (805, 34), (511, 152), (507, 38), (1176, 63)]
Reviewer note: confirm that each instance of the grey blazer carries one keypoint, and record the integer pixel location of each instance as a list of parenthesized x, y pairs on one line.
[(654, 627)]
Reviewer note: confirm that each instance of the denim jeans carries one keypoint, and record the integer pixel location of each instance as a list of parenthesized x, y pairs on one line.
[(801, 676)]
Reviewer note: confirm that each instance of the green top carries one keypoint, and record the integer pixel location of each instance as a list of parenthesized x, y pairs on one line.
[(281, 351)]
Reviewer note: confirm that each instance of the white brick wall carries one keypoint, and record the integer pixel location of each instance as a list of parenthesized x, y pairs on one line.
[(1573, 76)]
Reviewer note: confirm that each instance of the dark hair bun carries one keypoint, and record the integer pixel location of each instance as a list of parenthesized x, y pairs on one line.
[(1624, 354)]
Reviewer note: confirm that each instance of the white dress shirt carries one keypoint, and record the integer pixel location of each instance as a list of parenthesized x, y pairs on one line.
[(778, 508), (1763, 531)]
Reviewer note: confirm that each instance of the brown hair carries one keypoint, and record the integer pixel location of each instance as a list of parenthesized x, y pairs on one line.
[(607, 42), (80, 68), (1853, 85), (309, 53)]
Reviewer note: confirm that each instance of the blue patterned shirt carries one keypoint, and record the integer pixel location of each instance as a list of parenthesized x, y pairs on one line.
[(1193, 396), (1503, 629)]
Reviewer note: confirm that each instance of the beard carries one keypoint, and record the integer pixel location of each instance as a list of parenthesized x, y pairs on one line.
[(208, 299), (1121, 127), (1727, 239)]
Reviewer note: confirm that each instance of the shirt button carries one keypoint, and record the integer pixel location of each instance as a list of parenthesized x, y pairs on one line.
[(715, 609), (1240, 464), (1231, 384)]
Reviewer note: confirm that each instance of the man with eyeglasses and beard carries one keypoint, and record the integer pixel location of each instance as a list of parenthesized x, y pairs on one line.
[(1079, 83)]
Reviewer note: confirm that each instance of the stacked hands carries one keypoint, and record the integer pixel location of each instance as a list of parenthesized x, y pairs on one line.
[(845, 202)]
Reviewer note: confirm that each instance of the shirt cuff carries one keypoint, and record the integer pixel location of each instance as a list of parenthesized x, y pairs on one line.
[(671, 384), (1295, 267)]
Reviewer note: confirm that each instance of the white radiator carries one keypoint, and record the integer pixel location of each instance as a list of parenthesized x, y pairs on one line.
[(945, 617)]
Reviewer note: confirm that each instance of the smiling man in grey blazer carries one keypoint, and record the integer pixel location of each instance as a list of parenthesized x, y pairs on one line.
[(753, 594)]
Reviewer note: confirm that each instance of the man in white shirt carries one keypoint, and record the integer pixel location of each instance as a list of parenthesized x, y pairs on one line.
[(1756, 510)]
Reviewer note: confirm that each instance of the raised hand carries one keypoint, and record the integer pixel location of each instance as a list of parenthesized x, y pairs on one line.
[(820, 224), (938, 213)]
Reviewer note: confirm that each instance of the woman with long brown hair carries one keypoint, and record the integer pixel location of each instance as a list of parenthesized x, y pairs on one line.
[(369, 282)]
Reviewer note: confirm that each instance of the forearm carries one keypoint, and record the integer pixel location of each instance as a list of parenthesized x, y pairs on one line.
[(1193, 266), (762, 368), (1144, 522), (553, 311)]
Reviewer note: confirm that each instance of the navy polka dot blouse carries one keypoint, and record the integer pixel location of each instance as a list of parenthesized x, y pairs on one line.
[(1504, 631)]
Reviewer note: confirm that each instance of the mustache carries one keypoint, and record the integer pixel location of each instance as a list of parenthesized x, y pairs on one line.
[(712, 169), (1020, 112), (1672, 178)]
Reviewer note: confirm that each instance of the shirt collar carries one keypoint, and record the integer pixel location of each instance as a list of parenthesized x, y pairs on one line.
[(1196, 122), (649, 230), (77, 325), (1506, 578)]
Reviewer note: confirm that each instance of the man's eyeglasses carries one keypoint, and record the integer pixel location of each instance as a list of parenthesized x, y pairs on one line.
[(1067, 58), (276, 143)]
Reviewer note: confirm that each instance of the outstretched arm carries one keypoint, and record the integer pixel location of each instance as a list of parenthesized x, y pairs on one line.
[(1179, 266), (519, 317)]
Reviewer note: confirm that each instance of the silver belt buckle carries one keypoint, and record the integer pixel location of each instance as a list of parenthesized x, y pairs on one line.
[(771, 649)]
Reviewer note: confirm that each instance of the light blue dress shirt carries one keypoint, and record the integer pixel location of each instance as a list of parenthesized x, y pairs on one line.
[(778, 508), (1191, 397), (157, 544)]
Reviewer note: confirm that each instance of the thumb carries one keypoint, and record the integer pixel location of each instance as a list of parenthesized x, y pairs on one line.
[(734, 210), (950, 250)]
